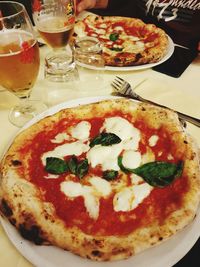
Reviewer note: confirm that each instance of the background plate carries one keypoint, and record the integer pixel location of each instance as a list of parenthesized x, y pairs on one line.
[(165, 255), (168, 54)]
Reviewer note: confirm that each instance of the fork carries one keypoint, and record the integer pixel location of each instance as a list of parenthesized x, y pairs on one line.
[(124, 88)]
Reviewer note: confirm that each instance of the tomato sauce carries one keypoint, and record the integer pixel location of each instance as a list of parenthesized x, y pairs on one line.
[(159, 204), (151, 37)]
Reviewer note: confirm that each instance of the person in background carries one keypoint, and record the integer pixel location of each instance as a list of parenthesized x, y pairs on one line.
[(179, 18)]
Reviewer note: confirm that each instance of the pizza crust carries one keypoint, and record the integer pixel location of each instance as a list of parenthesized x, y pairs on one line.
[(153, 51), (24, 206)]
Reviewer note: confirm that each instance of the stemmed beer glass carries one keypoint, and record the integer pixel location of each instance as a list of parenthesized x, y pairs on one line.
[(54, 20), (19, 60)]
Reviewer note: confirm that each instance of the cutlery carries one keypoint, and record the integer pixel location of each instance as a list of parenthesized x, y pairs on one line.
[(124, 88)]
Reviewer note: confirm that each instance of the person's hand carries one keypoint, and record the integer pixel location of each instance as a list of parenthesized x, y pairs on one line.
[(88, 4)]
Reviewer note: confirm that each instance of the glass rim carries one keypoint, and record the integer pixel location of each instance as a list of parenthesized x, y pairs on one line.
[(95, 47), (46, 5), (15, 14)]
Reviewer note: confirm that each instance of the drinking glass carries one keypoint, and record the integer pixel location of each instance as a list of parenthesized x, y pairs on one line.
[(19, 60), (54, 20), (88, 54)]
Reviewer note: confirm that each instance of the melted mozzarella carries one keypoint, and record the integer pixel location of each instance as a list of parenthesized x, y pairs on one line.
[(59, 138), (92, 205), (72, 189), (131, 47), (74, 148), (153, 140), (102, 186), (129, 198), (103, 25), (131, 159), (91, 194), (81, 130), (133, 38), (123, 199), (102, 154), (107, 156), (170, 157), (110, 164), (121, 127), (135, 179), (140, 192), (117, 46), (91, 202), (109, 51), (132, 143), (119, 28), (109, 42), (100, 31)]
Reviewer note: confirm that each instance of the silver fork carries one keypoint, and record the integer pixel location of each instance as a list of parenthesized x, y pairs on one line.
[(124, 88)]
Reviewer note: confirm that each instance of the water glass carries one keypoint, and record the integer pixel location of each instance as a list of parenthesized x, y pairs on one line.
[(89, 59)]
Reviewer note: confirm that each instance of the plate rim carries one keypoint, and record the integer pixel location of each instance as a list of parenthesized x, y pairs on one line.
[(189, 234)]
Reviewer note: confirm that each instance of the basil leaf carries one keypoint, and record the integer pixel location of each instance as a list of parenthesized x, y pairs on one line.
[(110, 175), (82, 168), (105, 139), (118, 49), (72, 164), (56, 165), (114, 36), (157, 173)]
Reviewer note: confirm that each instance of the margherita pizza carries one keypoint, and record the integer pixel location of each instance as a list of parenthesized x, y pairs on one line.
[(125, 41), (104, 180)]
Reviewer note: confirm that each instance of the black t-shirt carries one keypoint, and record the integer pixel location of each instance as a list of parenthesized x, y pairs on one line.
[(179, 18)]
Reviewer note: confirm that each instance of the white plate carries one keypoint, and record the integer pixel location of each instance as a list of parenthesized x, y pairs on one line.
[(165, 255), (168, 54)]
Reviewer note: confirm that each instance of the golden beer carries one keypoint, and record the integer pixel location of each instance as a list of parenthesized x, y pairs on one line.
[(19, 61), (55, 31)]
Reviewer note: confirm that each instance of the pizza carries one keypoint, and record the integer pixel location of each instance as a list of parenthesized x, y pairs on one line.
[(125, 41), (105, 180)]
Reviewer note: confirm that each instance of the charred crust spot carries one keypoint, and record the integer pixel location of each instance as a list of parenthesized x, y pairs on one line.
[(6, 210), (160, 238), (13, 221), (96, 253), (117, 60), (143, 109), (16, 163), (185, 142), (138, 56), (32, 234), (98, 243)]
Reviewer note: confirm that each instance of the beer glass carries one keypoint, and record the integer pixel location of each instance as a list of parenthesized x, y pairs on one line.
[(54, 20), (19, 60)]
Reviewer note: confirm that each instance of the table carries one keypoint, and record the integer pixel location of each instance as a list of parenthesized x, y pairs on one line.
[(182, 94)]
